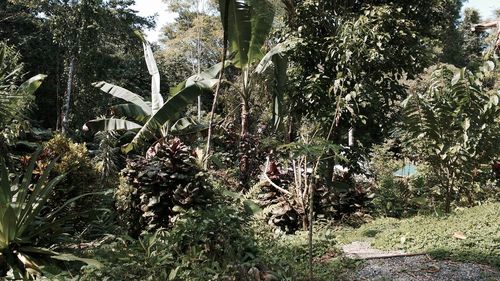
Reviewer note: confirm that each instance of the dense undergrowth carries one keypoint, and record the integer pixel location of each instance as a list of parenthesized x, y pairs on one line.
[(309, 127), (221, 242)]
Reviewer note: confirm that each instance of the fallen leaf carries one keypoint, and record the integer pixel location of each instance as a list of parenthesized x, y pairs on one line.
[(433, 269), (459, 235)]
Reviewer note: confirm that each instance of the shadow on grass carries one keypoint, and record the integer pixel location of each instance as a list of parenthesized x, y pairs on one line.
[(466, 255)]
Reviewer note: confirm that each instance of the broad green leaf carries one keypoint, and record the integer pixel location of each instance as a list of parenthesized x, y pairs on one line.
[(124, 94), (156, 98), (130, 111), (206, 78), (187, 125), (278, 50), (248, 25), (9, 220), (110, 124), (29, 87), (168, 112), (70, 257), (5, 192)]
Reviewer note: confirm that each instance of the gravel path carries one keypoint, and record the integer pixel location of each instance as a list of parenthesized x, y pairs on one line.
[(380, 265), (364, 250), (420, 268)]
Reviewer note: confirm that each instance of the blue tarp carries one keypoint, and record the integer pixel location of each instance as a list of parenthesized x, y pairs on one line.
[(407, 171)]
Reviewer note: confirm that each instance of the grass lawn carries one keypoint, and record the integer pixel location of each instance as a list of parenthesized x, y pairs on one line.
[(467, 235)]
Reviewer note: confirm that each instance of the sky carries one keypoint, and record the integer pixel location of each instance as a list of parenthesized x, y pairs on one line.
[(158, 8), (151, 8)]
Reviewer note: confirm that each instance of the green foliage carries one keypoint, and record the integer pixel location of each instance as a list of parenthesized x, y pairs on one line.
[(168, 112), (154, 117), (81, 180), (397, 196), (453, 127), (108, 155), (155, 189), (99, 35), (212, 243), (473, 42), (21, 204), (287, 255), (248, 24), (14, 100), (435, 235), (192, 42)]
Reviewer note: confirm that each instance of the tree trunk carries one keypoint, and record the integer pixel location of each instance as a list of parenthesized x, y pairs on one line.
[(244, 118), (311, 222), (244, 142), (447, 207), (351, 137), (67, 104), (216, 94)]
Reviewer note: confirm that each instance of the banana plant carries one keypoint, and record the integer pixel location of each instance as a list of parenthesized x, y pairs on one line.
[(248, 25), (150, 119), (21, 202)]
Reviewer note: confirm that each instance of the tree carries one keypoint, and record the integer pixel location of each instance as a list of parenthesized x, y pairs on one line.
[(246, 26), (98, 35), (472, 42), (15, 99), (192, 43), (353, 57), (453, 125), (154, 117)]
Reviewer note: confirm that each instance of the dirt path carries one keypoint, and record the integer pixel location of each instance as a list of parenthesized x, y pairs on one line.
[(391, 265)]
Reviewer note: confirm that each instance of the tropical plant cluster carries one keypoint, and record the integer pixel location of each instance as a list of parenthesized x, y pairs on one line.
[(248, 143)]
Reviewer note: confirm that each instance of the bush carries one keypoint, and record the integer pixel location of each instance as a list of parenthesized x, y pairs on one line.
[(213, 243), (397, 196), (81, 178), (453, 126), (153, 189)]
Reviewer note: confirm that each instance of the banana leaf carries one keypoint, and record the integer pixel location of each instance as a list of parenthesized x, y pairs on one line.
[(130, 111), (186, 125), (31, 85), (168, 112), (110, 124), (248, 24), (156, 98), (124, 94)]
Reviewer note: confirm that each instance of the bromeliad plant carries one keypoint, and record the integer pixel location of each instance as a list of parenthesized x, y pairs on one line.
[(21, 202)]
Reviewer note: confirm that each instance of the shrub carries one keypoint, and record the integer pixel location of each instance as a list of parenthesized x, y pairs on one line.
[(397, 196), (81, 178), (453, 127), (21, 223), (154, 188), (213, 243)]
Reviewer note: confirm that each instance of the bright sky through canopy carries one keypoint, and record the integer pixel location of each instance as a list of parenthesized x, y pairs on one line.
[(159, 8), (485, 7)]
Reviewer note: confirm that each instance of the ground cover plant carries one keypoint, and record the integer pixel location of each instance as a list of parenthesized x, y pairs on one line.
[(466, 235)]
